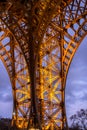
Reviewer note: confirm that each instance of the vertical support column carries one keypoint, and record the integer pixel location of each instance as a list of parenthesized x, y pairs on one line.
[(34, 102), (14, 118), (34, 121), (41, 89), (64, 120), (62, 74)]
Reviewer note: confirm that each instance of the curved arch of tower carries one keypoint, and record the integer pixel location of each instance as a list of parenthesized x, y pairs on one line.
[(38, 40)]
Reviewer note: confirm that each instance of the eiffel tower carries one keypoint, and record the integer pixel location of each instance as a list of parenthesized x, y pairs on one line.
[(38, 39)]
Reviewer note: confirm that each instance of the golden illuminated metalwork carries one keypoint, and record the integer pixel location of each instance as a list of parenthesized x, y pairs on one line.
[(38, 40), (15, 64)]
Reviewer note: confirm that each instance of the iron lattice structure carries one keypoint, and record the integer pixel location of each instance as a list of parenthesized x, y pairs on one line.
[(38, 39)]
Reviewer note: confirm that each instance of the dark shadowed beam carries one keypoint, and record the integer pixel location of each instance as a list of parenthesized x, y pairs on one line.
[(36, 33)]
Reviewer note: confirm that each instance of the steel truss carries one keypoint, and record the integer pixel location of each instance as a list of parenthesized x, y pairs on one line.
[(38, 40)]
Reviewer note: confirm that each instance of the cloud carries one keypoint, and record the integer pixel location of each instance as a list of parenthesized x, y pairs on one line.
[(80, 82), (6, 102), (76, 85), (6, 97), (73, 108), (6, 109), (4, 78), (84, 97)]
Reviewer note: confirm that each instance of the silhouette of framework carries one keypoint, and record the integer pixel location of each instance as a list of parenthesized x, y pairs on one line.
[(38, 39)]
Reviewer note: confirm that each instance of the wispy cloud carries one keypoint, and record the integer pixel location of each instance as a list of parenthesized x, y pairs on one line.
[(80, 82)]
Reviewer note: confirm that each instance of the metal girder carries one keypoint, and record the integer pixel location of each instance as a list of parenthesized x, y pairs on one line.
[(15, 64), (42, 38)]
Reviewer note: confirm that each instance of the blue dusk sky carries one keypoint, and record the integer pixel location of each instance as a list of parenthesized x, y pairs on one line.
[(76, 85), (6, 100)]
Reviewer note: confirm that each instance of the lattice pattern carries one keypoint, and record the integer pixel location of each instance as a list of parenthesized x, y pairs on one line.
[(13, 59), (38, 40)]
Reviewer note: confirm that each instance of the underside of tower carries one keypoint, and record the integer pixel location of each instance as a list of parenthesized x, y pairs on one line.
[(38, 39)]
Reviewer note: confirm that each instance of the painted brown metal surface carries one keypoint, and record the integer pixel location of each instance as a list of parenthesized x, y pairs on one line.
[(38, 40)]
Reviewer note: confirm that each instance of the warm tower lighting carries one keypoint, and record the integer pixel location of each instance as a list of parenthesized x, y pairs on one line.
[(43, 37)]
